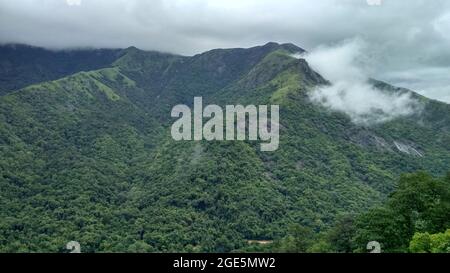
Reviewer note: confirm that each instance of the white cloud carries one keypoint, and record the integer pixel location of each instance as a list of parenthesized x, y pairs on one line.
[(350, 92), (73, 2), (442, 25), (404, 35)]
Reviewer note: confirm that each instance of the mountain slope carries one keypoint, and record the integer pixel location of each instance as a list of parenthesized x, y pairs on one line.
[(92, 157), (22, 65)]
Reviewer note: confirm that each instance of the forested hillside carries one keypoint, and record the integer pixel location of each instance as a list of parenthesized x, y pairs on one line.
[(89, 157), (22, 65)]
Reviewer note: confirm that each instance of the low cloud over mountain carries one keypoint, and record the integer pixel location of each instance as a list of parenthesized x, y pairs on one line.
[(351, 91), (406, 36)]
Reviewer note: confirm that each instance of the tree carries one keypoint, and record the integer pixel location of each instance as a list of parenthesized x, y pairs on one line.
[(385, 226), (434, 243), (341, 235), (420, 204), (300, 238)]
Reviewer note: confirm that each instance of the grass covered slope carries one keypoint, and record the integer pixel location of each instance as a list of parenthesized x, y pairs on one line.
[(89, 157)]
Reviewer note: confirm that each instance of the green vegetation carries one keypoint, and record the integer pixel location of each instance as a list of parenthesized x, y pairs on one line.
[(415, 218), (21, 65), (420, 204), (434, 243), (89, 157)]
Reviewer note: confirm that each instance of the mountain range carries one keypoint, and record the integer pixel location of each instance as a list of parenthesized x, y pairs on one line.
[(86, 152)]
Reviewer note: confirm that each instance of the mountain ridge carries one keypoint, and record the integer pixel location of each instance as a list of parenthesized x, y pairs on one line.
[(91, 155)]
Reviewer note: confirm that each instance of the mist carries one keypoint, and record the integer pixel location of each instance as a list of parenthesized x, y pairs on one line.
[(410, 37), (347, 67)]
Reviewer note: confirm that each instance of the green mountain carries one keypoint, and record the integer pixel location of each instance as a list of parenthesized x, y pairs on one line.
[(22, 65), (89, 156)]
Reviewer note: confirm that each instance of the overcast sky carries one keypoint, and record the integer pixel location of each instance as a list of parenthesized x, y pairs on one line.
[(407, 42)]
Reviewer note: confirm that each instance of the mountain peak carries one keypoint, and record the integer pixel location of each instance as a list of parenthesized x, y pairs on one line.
[(272, 44), (102, 137), (131, 49), (290, 47)]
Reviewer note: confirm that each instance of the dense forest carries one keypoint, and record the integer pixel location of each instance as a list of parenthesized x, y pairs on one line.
[(415, 218), (87, 156)]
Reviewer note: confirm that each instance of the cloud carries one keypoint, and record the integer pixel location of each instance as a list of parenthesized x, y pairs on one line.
[(73, 2), (350, 91), (434, 82), (404, 35)]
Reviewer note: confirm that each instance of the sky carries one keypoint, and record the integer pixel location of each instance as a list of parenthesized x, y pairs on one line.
[(406, 42), (349, 90)]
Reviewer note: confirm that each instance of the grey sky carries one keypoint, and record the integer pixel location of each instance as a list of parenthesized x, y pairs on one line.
[(408, 41)]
